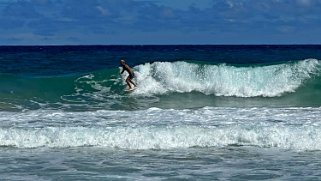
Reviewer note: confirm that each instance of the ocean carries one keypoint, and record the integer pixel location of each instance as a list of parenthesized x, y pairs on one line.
[(199, 112)]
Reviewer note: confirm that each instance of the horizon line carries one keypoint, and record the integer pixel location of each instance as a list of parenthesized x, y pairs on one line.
[(254, 44)]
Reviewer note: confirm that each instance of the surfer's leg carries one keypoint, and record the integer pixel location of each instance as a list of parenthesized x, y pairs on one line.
[(131, 81), (128, 83)]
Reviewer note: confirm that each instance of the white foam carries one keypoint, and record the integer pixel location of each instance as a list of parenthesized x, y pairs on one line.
[(223, 80), (89, 88), (168, 137), (296, 129)]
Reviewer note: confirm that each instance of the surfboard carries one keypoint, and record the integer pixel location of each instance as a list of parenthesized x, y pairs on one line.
[(130, 90)]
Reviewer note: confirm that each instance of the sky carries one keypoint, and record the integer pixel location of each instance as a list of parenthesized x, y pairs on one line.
[(139, 22)]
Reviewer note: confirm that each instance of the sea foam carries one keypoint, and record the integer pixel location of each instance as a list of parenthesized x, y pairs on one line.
[(295, 129), (224, 80), (167, 137)]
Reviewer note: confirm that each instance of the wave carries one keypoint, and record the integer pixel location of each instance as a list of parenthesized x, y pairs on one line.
[(294, 129), (224, 80), (163, 138), (292, 83)]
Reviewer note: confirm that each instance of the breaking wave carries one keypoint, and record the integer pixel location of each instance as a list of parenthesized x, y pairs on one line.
[(291, 84), (225, 80), (292, 128)]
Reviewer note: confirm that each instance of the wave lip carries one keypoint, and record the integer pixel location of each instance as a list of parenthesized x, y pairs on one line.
[(224, 80)]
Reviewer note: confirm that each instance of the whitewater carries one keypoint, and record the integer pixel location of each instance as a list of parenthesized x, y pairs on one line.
[(296, 129), (225, 80)]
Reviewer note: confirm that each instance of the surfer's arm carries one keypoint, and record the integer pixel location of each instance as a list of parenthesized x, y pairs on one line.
[(122, 71)]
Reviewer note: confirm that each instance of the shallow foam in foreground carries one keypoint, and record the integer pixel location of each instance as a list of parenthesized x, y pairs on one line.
[(295, 129)]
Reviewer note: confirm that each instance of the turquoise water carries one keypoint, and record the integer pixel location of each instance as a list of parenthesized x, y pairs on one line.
[(179, 84), (198, 113)]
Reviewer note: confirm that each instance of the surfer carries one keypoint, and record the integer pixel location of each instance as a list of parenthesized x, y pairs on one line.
[(131, 75)]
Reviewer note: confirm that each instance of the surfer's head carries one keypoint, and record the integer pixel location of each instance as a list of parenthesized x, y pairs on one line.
[(122, 62)]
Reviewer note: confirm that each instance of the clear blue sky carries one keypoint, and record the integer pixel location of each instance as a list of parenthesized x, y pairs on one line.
[(48, 22)]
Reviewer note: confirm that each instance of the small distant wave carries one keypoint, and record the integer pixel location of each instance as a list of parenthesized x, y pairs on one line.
[(224, 80)]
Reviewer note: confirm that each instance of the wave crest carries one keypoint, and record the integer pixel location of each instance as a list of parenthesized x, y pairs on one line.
[(224, 80)]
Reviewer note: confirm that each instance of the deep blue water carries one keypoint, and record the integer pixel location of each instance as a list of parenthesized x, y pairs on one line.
[(57, 60), (198, 113)]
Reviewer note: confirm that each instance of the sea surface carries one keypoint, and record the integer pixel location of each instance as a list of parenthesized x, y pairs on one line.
[(219, 112)]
